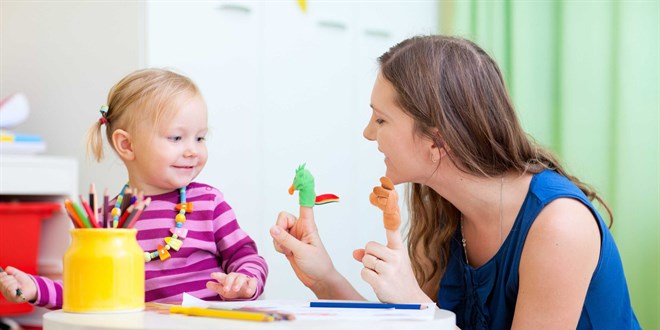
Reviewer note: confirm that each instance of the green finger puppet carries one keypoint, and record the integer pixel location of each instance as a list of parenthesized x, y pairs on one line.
[(304, 183)]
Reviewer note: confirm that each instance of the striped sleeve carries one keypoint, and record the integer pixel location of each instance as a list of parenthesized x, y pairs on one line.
[(49, 292), (237, 250)]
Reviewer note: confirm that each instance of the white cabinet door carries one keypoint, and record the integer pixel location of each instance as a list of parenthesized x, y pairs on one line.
[(216, 44)]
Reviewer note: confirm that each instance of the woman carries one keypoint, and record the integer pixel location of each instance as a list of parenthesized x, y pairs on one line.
[(499, 233)]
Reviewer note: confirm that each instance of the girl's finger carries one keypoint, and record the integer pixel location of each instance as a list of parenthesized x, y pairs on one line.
[(250, 287), (239, 281)]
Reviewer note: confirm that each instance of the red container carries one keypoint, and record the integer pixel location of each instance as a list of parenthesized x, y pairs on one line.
[(20, 228)]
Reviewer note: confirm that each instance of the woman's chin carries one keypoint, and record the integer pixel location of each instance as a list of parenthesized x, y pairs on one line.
[(392, 177)]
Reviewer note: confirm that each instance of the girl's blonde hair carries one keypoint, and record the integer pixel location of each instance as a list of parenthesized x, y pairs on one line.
[(138, 102), (456, 95)]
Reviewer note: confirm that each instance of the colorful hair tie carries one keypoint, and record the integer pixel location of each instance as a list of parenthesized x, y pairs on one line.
[(104, 114)]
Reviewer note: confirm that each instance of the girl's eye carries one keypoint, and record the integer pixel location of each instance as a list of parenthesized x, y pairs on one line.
[(379, 121), (174, 138), (201, 139)]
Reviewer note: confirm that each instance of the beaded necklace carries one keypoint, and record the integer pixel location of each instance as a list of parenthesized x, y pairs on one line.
[(116, 211), (178, 232)]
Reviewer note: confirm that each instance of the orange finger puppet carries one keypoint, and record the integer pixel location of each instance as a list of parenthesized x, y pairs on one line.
[(385, 198)]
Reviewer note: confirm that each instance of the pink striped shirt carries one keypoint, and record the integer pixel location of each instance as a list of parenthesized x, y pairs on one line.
[(215, 243)]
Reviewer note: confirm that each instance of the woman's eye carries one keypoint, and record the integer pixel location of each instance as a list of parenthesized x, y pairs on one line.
[(379, 121)]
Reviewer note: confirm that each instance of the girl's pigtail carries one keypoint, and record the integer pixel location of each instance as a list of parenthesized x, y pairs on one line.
[(94, 137)]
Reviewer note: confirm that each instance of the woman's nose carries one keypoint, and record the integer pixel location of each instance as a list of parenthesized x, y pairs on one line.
[(369, 132)]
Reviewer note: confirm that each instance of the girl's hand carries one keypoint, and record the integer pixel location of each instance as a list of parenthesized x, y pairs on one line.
[(233, 285), (387, 269), (13, 279)]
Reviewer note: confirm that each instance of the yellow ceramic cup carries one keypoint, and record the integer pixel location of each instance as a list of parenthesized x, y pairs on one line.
[(103, 271)]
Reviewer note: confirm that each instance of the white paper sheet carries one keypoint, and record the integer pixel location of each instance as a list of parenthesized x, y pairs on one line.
[(302, 311)]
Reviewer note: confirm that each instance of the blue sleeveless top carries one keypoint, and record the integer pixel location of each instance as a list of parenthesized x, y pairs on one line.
[(485, 297)]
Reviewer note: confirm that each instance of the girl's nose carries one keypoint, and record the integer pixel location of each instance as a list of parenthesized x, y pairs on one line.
[(191, 150)]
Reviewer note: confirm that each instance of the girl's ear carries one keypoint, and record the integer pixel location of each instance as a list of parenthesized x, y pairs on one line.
[(121, 140)]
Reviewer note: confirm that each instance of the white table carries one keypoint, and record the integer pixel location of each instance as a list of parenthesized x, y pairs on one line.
[(59, 320)]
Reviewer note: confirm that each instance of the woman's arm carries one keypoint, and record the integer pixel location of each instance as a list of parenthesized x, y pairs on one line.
[(557, 263)]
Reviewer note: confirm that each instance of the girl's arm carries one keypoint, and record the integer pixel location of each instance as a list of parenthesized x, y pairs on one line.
[(49, 292), (557, 263), (38, 290), (237, 250), (242, 257)]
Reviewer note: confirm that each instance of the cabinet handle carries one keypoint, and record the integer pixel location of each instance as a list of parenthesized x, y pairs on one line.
[(378, 33), (235, 8), (332, 25)]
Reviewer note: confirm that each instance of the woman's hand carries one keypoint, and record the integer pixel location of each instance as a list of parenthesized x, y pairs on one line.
[(299, 241), (14, 279), (233, 285), (387, 269)]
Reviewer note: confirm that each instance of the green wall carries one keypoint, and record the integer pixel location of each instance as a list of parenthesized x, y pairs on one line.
[(584, 76)]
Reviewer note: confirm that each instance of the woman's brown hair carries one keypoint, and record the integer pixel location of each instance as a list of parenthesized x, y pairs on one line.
[(456, 95)]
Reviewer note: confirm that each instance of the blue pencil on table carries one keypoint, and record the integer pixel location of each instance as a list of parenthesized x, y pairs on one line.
[(349, 304)]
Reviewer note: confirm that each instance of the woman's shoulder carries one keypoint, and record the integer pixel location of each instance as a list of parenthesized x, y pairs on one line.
[(565, 211), (565, 233), (564, 229), (548, 185)]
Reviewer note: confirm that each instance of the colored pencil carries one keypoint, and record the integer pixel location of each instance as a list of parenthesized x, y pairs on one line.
[(81, 215), (72, 214), (92, 203), (133, 218), (126, 200), (106, 200), (221, 313), (348, 304), (89, 212), (279, 316), (125, 215)]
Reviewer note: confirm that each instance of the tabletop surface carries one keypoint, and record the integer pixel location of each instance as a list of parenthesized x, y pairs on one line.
[(59, 320)]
